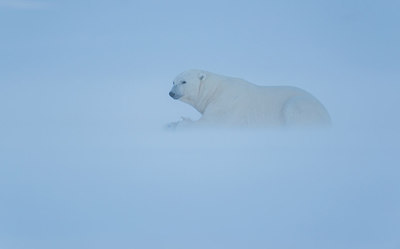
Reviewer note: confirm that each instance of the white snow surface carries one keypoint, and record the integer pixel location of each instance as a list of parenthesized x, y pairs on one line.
[(84, 166)]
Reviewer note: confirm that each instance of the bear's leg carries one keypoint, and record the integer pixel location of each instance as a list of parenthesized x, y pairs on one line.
[(185, 122)]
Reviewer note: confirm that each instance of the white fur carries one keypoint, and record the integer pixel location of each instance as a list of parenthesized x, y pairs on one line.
[(235, 102)]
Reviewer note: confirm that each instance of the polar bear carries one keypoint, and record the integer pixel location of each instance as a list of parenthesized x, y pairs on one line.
[(227, 101)]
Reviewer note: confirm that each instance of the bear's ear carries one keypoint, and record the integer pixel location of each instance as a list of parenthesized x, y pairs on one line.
[(202, 76)]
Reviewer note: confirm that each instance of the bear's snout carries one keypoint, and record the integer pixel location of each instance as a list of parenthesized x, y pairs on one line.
[(174, 94)]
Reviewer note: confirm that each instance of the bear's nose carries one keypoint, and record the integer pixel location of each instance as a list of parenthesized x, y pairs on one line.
[(172, 94)]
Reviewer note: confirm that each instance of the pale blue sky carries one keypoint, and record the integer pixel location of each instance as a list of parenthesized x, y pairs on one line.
[(84, 162), (282, 41)]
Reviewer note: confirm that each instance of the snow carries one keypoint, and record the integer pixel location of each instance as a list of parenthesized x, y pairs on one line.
[(87, 168)]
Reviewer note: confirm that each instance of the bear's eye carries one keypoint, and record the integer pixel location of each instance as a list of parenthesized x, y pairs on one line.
[(183, 82)]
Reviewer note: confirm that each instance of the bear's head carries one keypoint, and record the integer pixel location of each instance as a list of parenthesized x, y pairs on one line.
[(186, 86)]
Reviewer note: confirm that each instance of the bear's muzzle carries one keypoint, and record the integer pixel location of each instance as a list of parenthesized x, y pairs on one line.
[(174, 95)]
